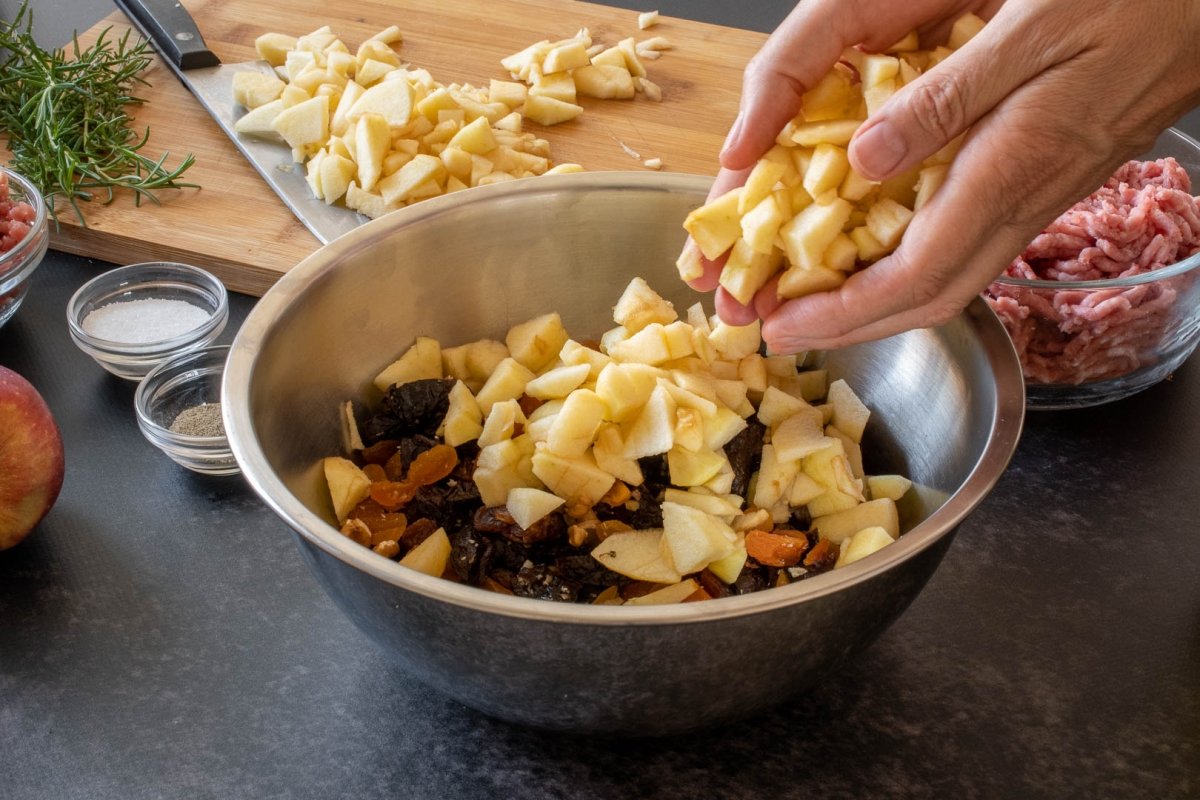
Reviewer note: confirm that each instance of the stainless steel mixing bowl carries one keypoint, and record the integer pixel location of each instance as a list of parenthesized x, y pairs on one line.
[(947, 411)]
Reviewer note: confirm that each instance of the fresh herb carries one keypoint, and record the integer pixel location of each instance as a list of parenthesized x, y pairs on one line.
[(65, 117)]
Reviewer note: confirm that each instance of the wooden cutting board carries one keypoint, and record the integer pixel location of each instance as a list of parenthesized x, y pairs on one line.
[(236, 227)]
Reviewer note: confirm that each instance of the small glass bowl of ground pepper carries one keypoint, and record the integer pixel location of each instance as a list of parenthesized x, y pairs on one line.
[(131, 319), (178, 408)]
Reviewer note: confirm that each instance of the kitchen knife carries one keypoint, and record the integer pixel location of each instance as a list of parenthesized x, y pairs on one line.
[(173, 33)]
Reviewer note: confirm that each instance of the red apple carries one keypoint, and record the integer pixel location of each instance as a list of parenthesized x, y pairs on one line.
[(31, 458)]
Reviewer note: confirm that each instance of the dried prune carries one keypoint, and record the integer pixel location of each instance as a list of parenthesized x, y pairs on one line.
[(801, 520), (498, 521), (656, 474), (744, 452), (541, 583), (641, 512), (751, 579), (583, 569), (470, 554), (452, 502), (417, 407)]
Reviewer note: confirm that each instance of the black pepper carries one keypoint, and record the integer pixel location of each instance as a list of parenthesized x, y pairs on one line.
[(201, 420)]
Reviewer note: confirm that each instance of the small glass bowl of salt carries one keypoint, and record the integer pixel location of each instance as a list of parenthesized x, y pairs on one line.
[(131, 319), (178, 409)]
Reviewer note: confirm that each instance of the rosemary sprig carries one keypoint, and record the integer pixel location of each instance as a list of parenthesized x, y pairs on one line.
[(65, 119)]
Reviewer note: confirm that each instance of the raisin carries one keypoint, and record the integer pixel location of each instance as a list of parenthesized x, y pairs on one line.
[(392, 494), (432, 465), (710, 583), (380, 452), (417, 532), (470, 554), (751, 579)]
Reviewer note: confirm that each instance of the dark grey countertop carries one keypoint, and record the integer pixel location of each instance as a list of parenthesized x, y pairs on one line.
[(160, 637)]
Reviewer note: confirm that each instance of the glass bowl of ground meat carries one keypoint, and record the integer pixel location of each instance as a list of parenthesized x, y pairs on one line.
[(24, 236), (1105, 302)]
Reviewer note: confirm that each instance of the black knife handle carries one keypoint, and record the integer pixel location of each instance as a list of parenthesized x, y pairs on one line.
[(172, 31)]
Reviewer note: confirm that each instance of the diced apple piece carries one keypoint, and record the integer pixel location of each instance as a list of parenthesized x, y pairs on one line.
[(507, 382), (693, 539), (761, 224), (274, 47), (964, 29), (579, 480), (576, 424), (775, 477), (501, 422), (716, 225), (929, 180), (716, 505), (804, 490), (869, 248), (729, 567), (735, 342), (850, 414), (674, 593), (637, 555), (777, 405), (336, 173), (609, 452), (568, 55), (604, 81), (826, 170), (839, 525), (842, 254), (406, 181), (573, 353), (254, 89), (535, 343), (259, 122), (799, 435), (892, 487), (558, 382), (720, 429), (760, 183), (393, 100), (807, 235), (549, 111), (837, 132), (475, 137), (800, 281), (693, 468), (862, 544), (625, 388), (464, 421), (833, 97), (431, 555), (647, 346), (348, 485), (652, 431), (887, 221), (422, 360), (527, 505), (852, 448), (639, 306)]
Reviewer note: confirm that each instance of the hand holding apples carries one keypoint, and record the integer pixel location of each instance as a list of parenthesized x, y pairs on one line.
[(31, 458)]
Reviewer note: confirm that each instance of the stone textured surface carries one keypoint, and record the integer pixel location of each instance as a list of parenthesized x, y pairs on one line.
[(160, 637)]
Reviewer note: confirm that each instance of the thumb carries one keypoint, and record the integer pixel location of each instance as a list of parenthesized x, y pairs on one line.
[(928, 113)]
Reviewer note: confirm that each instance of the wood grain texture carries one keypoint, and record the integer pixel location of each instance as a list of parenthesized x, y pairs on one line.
[(235, 225)]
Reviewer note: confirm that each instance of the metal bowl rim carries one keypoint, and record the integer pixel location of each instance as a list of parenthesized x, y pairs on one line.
[(314, 529)]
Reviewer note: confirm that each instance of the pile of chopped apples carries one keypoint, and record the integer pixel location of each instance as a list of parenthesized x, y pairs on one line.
[(655, 385), (804, 212), (377, 135)]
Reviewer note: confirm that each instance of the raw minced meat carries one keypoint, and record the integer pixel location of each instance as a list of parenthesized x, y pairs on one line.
[(1143, 218)]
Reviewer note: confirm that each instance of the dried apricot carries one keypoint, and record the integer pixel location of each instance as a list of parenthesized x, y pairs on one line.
[(775, 549)]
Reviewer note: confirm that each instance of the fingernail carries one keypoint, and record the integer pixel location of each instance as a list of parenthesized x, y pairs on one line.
[(734, 131), (879, 150)]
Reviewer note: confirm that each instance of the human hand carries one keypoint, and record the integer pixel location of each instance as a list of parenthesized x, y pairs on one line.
[(1056, 96)]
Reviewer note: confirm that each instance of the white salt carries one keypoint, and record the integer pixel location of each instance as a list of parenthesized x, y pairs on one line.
[(142, 321)]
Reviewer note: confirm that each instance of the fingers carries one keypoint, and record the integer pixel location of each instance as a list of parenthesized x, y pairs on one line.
[(984, 214), (800, 51), (927, 114), (731, 311)]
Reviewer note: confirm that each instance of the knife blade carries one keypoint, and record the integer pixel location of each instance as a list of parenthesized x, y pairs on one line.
[(173, 33)]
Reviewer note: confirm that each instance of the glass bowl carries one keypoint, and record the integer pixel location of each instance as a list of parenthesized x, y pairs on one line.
[(131, 319), (188, 381), (18, 263), (1083, 343)]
